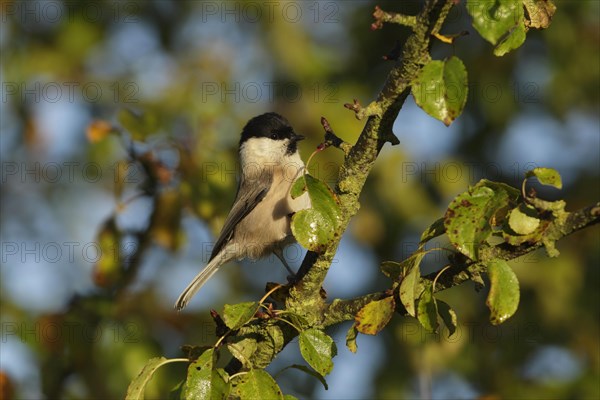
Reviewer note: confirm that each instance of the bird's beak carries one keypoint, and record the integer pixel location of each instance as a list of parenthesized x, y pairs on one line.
[(296, 137)]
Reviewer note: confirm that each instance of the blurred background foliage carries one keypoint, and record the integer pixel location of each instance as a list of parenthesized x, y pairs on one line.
[(101, 231)]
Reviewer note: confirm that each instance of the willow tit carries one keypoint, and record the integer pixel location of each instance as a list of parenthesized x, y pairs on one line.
[(259, 221)]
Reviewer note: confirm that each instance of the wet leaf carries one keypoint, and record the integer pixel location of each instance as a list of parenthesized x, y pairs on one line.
[(503, 299), (312, 229), (374, 316), (318, 349), (203, 380), (315, 227)]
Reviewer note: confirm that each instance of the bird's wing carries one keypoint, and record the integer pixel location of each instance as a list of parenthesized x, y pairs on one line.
[(249, 194)]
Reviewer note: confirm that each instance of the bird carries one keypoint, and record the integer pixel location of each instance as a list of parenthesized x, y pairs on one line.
[(259, 222)]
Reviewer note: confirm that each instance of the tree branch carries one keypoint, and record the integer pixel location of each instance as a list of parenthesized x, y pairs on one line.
[(304, 296), (461, 272), (558, 229)]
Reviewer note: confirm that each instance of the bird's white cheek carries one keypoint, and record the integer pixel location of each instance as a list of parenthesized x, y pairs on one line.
[(261, 151)]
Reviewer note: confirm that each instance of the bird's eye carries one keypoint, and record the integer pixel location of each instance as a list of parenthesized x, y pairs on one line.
[(274, 136)]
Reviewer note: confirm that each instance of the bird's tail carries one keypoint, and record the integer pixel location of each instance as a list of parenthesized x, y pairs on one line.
[(200, 279)]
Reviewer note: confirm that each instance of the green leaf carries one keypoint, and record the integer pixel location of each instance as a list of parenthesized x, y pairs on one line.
[(392, 269), (494, 19), (312, 229), (315, 227), (503, 299), (289, 397), (308, 371), (299, 187), (351, 338), (374, 316), (515, 239), (203, 380), (514, 40), (512, 192), (139, 125), (523, 220), (427, 309), (448, 316), (539, 13), (434, 230), (135, 391), (410, 287), (255, 384), (441, 89), (318, 349), (467, 219), (546, 176), (243, 350), (236, 315)]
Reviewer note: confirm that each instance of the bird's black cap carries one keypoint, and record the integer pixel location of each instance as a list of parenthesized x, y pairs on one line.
[(270, 125)]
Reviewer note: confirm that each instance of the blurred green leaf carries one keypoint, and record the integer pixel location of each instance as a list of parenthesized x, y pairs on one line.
[(237, 315), (448, 315), (108, 270), (374, 316), (135, 391), (351, 338), (138, 125), (441, 89), (503, 298), (427, 309), (318, 349), (166, 219)]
